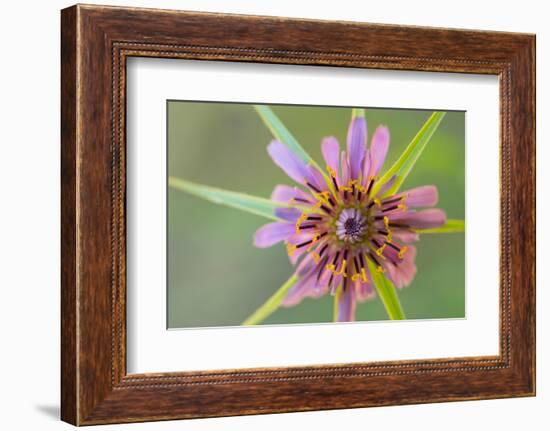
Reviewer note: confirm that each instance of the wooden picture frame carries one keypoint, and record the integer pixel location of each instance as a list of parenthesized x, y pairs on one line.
[(96, 41)]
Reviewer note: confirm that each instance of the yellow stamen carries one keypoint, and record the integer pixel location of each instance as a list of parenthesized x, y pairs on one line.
[(316, 257), (314, 240), (380, 269), (323, 195), (302, 218), (401, 254), (381, 250), (362, 276), (342, 269), (291, 248), (332, 268), (402, 204), (331, 171)]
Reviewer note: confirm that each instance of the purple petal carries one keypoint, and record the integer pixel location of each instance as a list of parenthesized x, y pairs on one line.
[(283, 193), (379, 148), (364, 291), (303, 287), (345, 168), (316, 178), (295, 256), (403, 274), (298, 238), (366, 170), (272, 233), (404, 235), (356, 145), (306, 266), (425, 219), (424, 196), (331, 153), (286, 194), (288, 161), (288, 214), (387, 185), (346, 306)]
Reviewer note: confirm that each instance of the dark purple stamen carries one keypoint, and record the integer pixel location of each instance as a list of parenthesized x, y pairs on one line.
[(335, 184), (304, 243), (399, 225), (361, 260), (390, 208), (311, 186), (369, 188), (391, 201), (355, 261), (374, 259), (393, 246), (376, 243), (322, 268)]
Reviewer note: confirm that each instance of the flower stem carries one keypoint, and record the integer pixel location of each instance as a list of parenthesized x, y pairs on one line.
[(272, 304), (387, 293)]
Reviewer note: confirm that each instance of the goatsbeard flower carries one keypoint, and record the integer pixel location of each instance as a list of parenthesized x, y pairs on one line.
[(347, 225)]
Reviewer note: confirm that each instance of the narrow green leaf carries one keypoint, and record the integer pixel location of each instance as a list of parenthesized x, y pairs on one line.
[(450, 227), (335, 306), (281, 133), (402, 167), (357, 112), (387, 292), (272, 304), (255, 205)]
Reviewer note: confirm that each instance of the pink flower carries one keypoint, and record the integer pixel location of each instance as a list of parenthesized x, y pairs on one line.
[(346, 224)]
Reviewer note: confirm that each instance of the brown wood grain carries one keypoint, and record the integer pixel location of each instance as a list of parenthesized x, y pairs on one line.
[(95, 42)]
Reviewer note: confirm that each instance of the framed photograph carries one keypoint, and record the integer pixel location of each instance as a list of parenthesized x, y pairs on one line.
[(317, 215)]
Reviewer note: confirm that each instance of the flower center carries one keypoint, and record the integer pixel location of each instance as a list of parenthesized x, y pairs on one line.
[(351, 225)]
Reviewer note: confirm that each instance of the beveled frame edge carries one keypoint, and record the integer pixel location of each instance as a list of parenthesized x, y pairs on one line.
[(96, 41)]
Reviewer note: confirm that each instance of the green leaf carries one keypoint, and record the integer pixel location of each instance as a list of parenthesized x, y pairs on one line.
[(281, 133), (252, 204), (387, 292), (335, 306), (404, 164), (272, 304), (450, 227)]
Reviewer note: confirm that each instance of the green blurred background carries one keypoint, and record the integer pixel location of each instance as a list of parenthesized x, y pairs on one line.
[(216, 277)]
